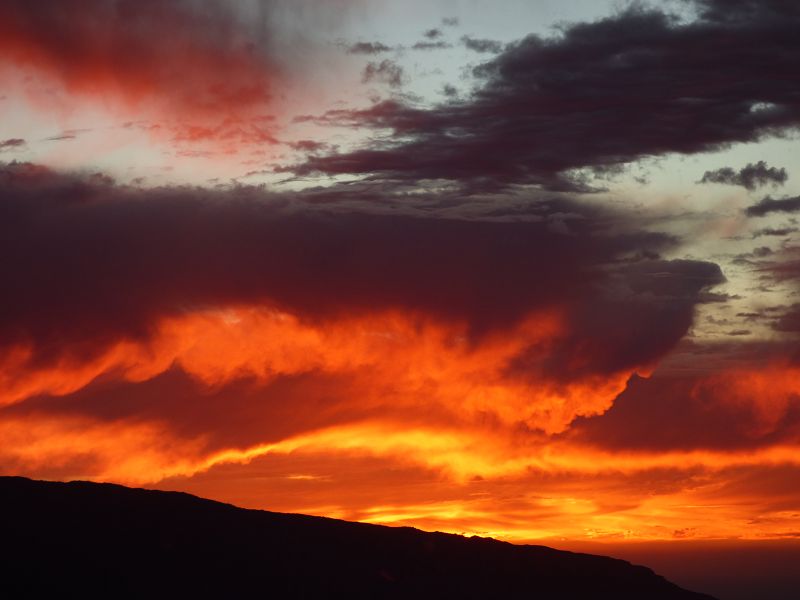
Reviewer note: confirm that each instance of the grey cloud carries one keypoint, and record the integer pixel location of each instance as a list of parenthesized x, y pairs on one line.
[(386, 71), (637, 84), (481, 45), (770, 205), (752, 176), (368, 48), (11, 144)]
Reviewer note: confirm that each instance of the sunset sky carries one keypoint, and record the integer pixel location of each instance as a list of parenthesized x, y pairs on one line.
[(526, 269)]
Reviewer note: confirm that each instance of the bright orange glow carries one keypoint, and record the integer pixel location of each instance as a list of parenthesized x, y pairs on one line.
[(506, 490), (421, 398), (465, 455), (402, 360), (127, 452)]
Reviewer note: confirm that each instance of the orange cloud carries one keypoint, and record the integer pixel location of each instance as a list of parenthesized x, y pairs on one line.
[(131, 453), (427, 409), (387, 475), (768, 392), (167, 336), (398, 359)]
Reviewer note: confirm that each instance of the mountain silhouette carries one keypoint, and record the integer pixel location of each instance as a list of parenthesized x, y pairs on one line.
[(103, 540)]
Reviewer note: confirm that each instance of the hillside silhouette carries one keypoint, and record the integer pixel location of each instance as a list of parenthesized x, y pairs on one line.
[(104, 540)]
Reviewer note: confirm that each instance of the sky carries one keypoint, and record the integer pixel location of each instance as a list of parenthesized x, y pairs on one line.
[(523, 269)]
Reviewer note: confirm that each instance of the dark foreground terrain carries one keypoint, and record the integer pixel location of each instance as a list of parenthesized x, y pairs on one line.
[(101, 540)]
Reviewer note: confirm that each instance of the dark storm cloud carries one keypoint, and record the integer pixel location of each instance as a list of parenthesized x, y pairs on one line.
[(387, 71), (772, 205), (733, 12), (637, 84), (95, 263), (752, 176), (481, 45), (656, 296)]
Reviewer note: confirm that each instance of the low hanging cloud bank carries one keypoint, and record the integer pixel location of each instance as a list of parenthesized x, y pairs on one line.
[(117, 259), (527, 322)]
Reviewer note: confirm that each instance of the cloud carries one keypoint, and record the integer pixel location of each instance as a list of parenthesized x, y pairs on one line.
[(387, 71), (449, 90), (672, 288), (389, 351), (149, 278), (368, 48), (774, 231), (440, 45), (62, 137), (11, 144), (789, 320), (753, 404), (308, 339), (736, 11), (783, 266), (547, 106), (536, 506), (772, 205), (195, 57), (308, 146), (453, 339), (753, 176), (481, 45)]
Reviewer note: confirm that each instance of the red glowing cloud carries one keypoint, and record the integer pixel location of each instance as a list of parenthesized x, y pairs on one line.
[(193, 57)]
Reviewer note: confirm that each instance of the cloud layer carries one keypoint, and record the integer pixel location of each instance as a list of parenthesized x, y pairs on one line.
[(189, 55), (546, 106), (430, 339), (753, 176), (265, 307)]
